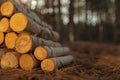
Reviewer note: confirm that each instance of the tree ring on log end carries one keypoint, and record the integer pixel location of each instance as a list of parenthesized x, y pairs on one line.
[(26, 62), (47, 65), (9, 60), (18, 22), (23, 43), (10, 40), (4, 25), (40, 53), (7, 9)]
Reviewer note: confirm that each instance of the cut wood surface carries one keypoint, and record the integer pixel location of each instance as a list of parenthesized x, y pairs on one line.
[(1, 37), (26, 43), (2, 52), (4, 25), (10, 60), (20, 22), (28, 62), (51, 64), (42, 53), (10, 40), (32, 15), (7, 9)]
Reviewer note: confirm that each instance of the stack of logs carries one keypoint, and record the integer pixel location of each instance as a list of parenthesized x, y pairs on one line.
[(27, 41)]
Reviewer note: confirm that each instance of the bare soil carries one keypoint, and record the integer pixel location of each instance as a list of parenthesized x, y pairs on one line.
[(92, 61)]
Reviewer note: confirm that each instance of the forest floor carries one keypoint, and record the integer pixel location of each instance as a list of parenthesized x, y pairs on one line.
[(92, 61)]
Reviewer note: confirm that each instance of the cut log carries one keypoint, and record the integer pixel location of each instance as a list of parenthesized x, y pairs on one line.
[(26, 43), (10, 60), (7, 9), (10, 40), (28, 62), (53, 63), (4, 25), (32, 15), (42, 53), (1, 37), (20, 22), (2, 52)]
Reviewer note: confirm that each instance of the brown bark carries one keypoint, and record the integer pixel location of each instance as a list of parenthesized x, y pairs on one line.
[(28, 62), (10, 60), (26, 43), (51, 64), (10, 39), (42, 53), (71, 23), (117, 20)]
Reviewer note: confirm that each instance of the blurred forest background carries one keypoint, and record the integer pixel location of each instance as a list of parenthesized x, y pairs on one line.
[(88, 20)]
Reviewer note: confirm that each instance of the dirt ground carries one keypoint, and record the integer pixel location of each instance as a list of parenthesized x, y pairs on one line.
[(93, 61)]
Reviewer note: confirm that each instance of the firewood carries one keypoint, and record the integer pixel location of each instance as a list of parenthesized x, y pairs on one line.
[(28, 62), (1, 37), (2, 52), (20, 22), (42, 53), (26, 43), (4, 25), (10, 40), (51, 64), (10, 60), (29, 13), (7, 9)]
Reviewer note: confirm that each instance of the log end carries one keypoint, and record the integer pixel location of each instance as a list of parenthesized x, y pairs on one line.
[(7, 9), (10, 40), (48, 65), (4, 25), (18, 22), (9, 60), (26, 62), (1, 37), (23, 43), (40, 53)]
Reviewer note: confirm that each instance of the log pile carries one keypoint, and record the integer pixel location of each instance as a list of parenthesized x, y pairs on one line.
[(29, 42)]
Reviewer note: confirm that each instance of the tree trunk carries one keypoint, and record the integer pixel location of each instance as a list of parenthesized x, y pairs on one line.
[(26, 43), (42, 53), (51, 64), (10, 60), (28, 62), (71, 23), (58, 17), (117, 21)]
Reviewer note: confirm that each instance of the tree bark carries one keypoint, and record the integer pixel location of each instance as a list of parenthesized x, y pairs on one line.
[(29, 25), (26, 43), (117, 20), (51, 64), (71, 23), (21, 8), (42, 53)]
